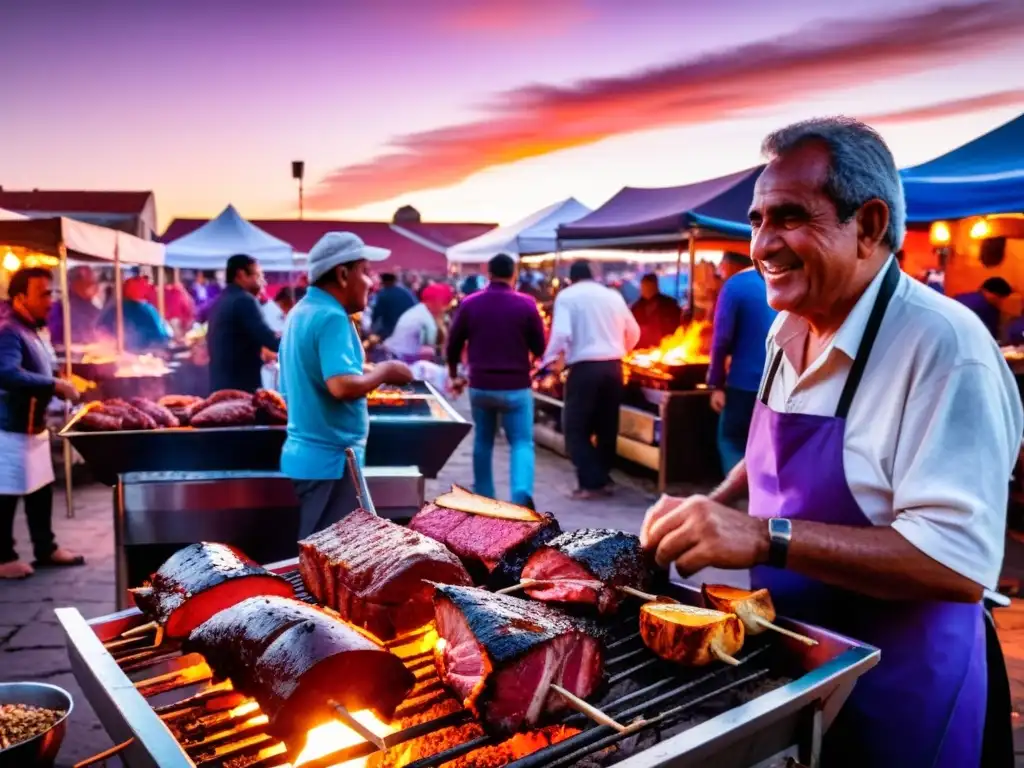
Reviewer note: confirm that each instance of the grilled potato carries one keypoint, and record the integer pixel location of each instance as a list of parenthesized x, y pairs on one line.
[(689, 635), (749, 605)]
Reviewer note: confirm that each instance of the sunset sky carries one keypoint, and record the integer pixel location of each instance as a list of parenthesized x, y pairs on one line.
[(479, 110)]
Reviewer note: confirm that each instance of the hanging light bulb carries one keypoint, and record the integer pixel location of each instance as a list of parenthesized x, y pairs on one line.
[(980, 229), (11, 262), (939, 233)]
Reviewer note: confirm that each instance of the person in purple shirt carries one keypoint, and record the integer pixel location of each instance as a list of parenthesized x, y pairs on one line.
[(987, 302), (742, 321), (503, 330)]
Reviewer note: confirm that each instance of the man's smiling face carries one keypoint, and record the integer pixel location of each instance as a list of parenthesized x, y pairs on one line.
[(807, 256)]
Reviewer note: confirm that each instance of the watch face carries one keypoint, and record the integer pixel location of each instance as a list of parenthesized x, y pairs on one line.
[(778, 526)]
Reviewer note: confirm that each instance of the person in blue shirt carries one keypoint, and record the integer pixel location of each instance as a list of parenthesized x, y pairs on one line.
[(144, 329), (390, 303), (322, 379), (742, 321)]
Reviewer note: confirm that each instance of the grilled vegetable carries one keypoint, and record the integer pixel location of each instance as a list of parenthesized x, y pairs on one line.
[(750, 606), (690, 635)]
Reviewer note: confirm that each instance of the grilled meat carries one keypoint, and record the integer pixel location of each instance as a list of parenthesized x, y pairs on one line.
[(131, 417), (180, 406), (586, 567), (198, 581), (500, 655), (294, 659), (751, 606), (689, 635), (95, 420), (270, 407), (161, 415), (226, 413), (377, 574), (494, 549)]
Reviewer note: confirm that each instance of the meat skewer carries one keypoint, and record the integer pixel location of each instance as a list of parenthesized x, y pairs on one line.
[(198, 581), (590, 566), (755, 609), (501, 655), (690, 635)]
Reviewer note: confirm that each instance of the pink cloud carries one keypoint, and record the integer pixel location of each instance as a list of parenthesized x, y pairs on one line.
[(540, 119), (1010, 98)]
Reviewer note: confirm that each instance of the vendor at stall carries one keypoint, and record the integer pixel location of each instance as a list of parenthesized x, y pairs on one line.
[(83, 287), (987, 302), (419, 331), (238, 337), (27, 385), (657, 313), (323, 380), (880, 451), (144, 329)]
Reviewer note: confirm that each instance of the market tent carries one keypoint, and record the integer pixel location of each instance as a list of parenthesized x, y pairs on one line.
[(637, 217), (6, 215), (537, 233), (984, 176), (212, 244), (81, 241)]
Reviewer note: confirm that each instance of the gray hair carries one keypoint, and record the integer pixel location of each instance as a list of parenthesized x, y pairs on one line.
[(861, 167)]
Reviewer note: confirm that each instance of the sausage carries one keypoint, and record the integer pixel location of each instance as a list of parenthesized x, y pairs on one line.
[(271, 406), (96, 420), (229, 413), (220, 396), (131, 417), (172, 402), (161, 415)]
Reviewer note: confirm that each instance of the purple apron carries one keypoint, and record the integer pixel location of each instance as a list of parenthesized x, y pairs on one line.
[(924, 704)]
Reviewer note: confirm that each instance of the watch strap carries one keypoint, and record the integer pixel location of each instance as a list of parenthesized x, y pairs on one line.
[(780, 532)]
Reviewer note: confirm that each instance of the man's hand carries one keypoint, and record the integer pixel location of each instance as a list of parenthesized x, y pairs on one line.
[(395, 372), (718, 400), (268, 355), (696, 533), (65, 390), (459, 384)]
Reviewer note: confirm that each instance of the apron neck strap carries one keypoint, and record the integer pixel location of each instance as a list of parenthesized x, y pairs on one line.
[(867, 342)]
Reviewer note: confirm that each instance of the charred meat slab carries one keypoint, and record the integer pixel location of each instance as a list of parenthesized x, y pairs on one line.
[(493, 539), (587, 567), (377, 574), (198, 581), (294, 659), (500, 655)]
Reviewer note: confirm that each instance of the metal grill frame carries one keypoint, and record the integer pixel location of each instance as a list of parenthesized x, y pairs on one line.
[(796, 713)]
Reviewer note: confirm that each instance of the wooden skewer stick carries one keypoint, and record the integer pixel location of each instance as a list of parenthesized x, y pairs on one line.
[(142, 628), (589, 710), (724, 657), (105, 754), (523, 584), (345, 717), (783, 631), (646, 595)]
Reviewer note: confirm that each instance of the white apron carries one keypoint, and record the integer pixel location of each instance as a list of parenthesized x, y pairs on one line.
[(26, 464)]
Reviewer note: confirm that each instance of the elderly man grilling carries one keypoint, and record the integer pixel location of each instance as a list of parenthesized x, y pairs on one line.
[(879, 454)]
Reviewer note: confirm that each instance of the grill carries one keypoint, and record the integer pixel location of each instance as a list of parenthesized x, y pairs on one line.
[(666, 378), (165, 710), (423, 431)]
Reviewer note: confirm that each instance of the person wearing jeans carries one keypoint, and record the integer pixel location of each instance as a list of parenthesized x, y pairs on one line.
[(504, 332)]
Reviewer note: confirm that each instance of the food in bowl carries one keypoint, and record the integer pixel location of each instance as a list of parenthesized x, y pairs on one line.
[(21, 722)]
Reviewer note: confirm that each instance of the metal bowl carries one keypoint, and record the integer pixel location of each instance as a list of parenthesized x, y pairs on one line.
[(41, 750)]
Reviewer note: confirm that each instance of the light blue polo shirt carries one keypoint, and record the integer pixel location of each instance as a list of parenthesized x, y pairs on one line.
[(320, 342)]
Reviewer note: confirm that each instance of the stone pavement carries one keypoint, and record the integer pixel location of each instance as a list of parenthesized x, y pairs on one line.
[(32, 645)]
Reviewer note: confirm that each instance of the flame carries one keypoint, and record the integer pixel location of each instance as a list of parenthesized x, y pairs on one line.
[(245, 709), (333, 736), (686, 345)]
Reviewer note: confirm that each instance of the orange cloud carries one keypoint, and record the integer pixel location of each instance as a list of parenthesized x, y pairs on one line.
[(1011, 98), (540, 16), (540, 119)]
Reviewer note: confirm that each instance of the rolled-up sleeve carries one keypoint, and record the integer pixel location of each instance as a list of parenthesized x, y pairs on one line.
[(958, 443)]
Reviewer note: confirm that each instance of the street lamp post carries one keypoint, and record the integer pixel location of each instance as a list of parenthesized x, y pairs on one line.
[(298, 172)]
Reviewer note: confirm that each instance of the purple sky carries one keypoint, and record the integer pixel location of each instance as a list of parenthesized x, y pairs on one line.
[(471, 109)]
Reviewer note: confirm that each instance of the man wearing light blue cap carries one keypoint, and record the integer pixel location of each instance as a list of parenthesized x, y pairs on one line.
[(322, 378)]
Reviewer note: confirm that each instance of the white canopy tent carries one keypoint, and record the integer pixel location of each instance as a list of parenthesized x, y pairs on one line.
[(537, 233), (210, 246), (6, 215)]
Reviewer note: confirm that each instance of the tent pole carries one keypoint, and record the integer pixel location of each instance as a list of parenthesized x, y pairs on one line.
[(693, 263), (161, 285), (62, 253), (118, 302), (679, 265)]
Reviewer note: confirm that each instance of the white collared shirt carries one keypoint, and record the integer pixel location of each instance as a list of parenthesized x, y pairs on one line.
[(591, 322), (934, 429)]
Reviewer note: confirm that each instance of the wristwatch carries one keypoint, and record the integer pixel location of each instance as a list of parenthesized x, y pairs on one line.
[(780, 531)]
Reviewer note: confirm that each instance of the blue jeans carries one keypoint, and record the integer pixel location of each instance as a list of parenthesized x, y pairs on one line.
[(515, 408), (734, 426)]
